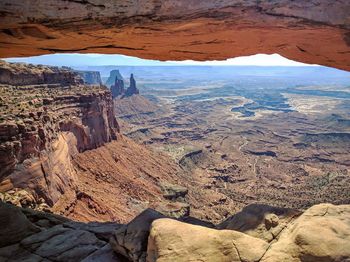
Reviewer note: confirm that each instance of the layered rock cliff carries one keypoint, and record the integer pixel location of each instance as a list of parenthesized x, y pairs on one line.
[(90, 77), (27, 74), (179, 30), (44, 125)]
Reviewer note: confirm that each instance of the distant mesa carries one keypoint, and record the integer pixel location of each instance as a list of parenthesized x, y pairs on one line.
[(112, 76), (118, 89), (90, 77)]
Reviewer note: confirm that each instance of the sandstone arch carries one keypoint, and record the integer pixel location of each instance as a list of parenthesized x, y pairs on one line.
[(316, 31)]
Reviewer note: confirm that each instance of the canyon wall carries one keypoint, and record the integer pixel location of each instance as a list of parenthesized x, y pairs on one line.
[(43, 126), (90, 77), (314, 32), (26, 74)]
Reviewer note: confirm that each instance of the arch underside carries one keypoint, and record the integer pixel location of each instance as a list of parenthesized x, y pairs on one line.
[(314, 32)]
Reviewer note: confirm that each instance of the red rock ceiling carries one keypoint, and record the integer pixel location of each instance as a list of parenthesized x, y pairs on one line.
[(315, 31)]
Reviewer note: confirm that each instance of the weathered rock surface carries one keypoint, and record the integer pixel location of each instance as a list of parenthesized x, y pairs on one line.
[(14, 225), (90, 77), (261, 221), (321, 233), (27, 235), (117, 88), (132, 89), (168, 30), (171, 240), (174, 192), (43, 125), (131, 239), (113, 75), (26, 74)]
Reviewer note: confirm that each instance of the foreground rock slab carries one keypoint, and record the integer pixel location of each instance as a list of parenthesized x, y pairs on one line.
[(171, 240), (28, 235), (261, 221), (131, 239), (322, 233)]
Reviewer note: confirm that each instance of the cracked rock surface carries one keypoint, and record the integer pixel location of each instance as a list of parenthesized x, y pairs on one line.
[(321, 233), (28, 235)]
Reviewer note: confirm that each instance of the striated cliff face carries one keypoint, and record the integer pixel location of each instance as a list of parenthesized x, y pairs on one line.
[(90, 77), (180, 30), (43, 126), (24, 74)]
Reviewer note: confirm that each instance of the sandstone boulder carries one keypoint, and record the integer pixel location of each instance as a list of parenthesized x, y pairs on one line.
[(171, 240), (173, 192), (62, 244), (131, 239), (14, 225), (261, 221), (322, 234)]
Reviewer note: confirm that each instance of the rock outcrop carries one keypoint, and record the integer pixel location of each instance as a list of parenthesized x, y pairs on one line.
[(171, 240), (44, 125), (164, 30), (131, 239), (21, 74), (27, 235), (321, 233), (90, 77), (113, 75), (132, 89), (261, 221), (118, 88)]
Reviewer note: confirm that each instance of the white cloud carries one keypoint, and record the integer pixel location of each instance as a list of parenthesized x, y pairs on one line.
[(102, 59), (255, 60)]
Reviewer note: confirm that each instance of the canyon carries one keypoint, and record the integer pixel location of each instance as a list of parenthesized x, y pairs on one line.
[(201, 173), (62, 150), (130, 190)]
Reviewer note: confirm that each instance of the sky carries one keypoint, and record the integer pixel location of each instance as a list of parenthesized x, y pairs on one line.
[(76, 60)]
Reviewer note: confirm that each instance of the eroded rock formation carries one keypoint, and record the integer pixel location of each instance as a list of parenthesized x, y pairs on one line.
[(118, 88), (319, 234), (112, 77), (132, 89), (308, 31), (90, 77), (24, 74), (43, 125)]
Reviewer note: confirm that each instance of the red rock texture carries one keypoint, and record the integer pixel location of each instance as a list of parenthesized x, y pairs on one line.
[(36, 145), (314, 31)]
